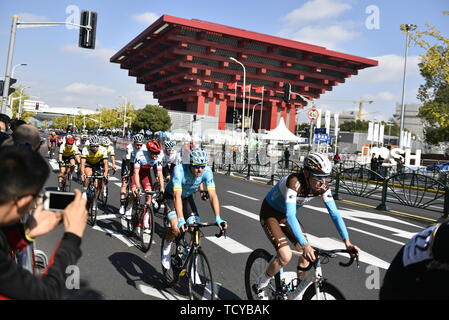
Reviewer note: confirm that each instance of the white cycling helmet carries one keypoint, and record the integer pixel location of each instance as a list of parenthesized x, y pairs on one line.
[(138, 138), (169, 145), (318, 164), (105, 141)]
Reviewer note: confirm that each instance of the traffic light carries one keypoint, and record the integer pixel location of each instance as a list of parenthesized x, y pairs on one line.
[(37, 106), (194, 117), (87, 37), (11, 82), (287, 91), (118, 115), (234, 114)]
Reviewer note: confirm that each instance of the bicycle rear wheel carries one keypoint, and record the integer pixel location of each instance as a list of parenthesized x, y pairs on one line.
[(146, 229), (201, 284), (327, 292), (256, 265)]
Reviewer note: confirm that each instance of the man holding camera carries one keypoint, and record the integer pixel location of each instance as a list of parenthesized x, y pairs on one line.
[(24, 173)]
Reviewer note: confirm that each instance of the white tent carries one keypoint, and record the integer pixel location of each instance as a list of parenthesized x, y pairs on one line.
[(281, 133)]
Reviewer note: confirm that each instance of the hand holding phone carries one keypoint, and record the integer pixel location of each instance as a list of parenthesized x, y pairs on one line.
[(75, 215), (57, 201)]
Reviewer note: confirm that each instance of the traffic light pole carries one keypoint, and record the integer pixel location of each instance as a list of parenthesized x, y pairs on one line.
[(5, 107), (4, 103)]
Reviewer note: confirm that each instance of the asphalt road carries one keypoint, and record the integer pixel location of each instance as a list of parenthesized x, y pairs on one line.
[(112, 267)]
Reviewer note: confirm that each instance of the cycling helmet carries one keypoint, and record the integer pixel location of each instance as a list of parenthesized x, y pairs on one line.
[(105, 141), (318, 164), (94, 141), (53, 133), (169, 145), (138, 138), (70, 141), (154, 146), (83, 137), (198, 157)]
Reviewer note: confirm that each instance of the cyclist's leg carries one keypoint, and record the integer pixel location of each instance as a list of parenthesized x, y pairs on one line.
[(146, 183), (270, 220), (302, 262), (88, 172), (171, 231)]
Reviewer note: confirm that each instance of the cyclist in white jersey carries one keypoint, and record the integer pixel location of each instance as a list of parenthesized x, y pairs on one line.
[(170, 158), (127, 168), (279, 221)]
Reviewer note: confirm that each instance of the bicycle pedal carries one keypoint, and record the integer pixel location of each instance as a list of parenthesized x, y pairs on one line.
[(183, 273)]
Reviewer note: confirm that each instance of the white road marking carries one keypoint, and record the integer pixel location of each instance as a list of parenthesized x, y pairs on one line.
[(161, 294), (111, 178), (243, 212), (118, 184), (330, 244), (229, 245), (355, 215), (119, 236), (54, 164), (376, 236), (108, 216), (242, 195)]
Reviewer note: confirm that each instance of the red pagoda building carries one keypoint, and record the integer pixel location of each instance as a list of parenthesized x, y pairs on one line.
[(187, 66)]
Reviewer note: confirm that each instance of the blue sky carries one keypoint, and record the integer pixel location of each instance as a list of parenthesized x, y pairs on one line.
[(63, 75)]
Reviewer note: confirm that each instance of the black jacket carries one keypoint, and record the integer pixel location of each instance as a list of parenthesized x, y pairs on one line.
[(18, 283)]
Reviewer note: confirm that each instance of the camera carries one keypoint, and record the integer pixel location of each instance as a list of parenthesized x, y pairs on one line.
[(58, 201)]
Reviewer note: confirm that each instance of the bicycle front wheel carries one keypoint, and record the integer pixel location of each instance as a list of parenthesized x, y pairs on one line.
[(256, 266), (93, 209), (201, 284), (146, 229), (327, 292)]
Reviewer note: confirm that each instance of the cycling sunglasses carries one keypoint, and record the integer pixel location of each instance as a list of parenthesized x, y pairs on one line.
[(198, 166), (320, 178)]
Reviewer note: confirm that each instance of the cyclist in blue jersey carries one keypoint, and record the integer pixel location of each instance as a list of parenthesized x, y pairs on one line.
[(178, 197), (279, 221)]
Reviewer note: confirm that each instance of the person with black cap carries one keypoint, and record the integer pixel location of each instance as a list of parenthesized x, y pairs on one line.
[(420, 270)]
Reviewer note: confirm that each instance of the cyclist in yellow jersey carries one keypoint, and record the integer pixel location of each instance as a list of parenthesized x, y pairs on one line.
[(93, 159), (68, 154)]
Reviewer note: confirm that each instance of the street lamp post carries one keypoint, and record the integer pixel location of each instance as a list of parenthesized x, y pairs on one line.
[(244, 90), (408, 27), (19, 111), (14, 68), (124, 115)]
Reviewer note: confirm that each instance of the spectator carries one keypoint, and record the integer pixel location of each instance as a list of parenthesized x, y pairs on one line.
[(336, 158), (24, 173), (286, 157), (234, 153), (420, 269), (4, 122), (25, 134), (15, 123)]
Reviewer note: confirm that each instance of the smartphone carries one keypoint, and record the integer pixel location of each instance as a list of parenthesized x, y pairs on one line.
[(58, 201)]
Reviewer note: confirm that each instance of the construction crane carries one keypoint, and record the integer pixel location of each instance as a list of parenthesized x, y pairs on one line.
[(360, 102)]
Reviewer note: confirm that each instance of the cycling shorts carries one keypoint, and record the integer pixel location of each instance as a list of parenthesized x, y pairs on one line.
[(68, 158), (188, 205), (275, 225), (97, 167), (146, 181)]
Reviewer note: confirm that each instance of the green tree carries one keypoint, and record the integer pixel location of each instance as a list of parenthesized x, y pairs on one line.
[(16, 101), (152, 117), (434, 93)]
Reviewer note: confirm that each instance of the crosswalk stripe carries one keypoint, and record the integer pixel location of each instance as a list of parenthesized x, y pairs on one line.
[(242, 195), (243, 212), (113, 178), (229, 245)]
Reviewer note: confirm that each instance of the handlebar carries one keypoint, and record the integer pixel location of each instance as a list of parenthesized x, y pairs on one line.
[(209, 224), (332, 254)]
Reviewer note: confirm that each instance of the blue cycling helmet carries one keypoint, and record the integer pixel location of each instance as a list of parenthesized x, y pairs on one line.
[(198, 157)]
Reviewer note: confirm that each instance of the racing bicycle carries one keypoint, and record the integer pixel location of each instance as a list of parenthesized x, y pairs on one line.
[(190, 264), (142, 219), (313, 287)]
